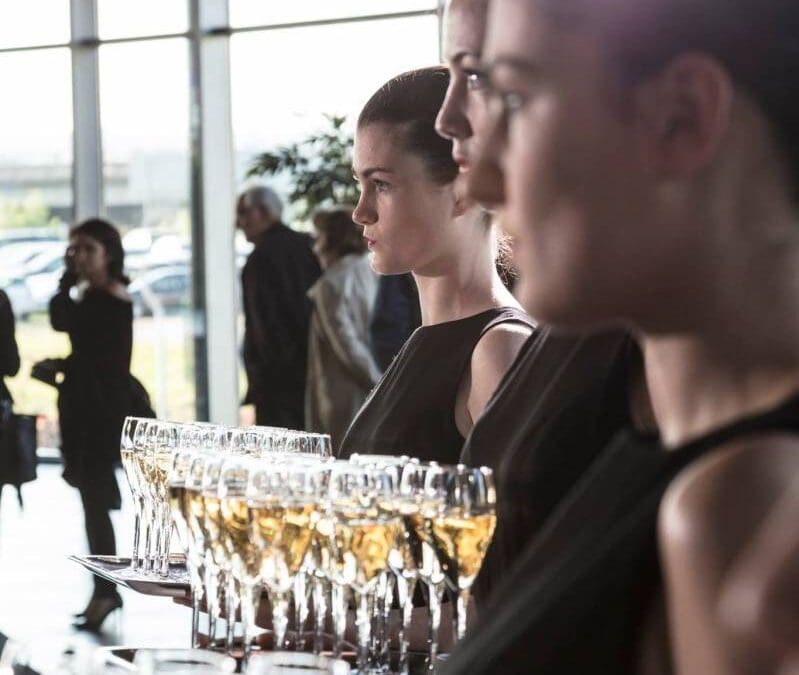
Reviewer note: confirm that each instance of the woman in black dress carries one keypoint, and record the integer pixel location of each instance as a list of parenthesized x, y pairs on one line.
[(94, 308), (416, 217), (567, 394), (650, 165)]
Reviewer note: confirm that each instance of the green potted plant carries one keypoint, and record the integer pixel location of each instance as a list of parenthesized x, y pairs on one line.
[(320, 168)]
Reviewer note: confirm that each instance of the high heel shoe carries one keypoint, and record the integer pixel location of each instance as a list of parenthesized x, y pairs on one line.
[(97, 612), (82, 615)]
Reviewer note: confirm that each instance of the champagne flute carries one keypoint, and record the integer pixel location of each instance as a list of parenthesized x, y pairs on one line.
[(462, 528), (180, 497), (243, 558), (363, 536), (127, 453), (283, 511)]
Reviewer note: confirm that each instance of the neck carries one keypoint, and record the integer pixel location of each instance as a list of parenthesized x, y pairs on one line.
[(739, 360), (464, 284), (100, 281)]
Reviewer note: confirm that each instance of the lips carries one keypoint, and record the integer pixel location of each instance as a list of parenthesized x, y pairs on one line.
[(462, 161), (370, 242)]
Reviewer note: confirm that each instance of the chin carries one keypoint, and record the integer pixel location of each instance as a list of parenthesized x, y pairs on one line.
[(565, 307), (385, 267)]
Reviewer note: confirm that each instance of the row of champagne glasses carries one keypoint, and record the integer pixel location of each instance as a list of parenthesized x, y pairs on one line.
[(148, 448), (358, 531)]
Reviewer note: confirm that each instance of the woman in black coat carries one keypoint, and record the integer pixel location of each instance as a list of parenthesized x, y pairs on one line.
[(94, 308)]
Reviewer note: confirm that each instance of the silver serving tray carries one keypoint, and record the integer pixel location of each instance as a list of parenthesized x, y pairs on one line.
[(117, 570)]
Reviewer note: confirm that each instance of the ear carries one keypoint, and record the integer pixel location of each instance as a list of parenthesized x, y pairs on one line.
[(685, 111)]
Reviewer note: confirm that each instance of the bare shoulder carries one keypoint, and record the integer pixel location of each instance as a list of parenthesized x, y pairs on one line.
[(724, 495), (500, 345), (491, 359)]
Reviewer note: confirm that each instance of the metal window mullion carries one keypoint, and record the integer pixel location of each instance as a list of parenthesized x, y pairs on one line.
[(213, 197), (87, 171)]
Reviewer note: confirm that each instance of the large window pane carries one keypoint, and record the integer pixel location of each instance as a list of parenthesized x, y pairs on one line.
[(348, 62), (144, 104), (35, 207), (26, 23), (124, 19), (260, 13)]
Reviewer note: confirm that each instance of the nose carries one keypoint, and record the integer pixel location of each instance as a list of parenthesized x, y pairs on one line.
[(451, 121), (364, 214)]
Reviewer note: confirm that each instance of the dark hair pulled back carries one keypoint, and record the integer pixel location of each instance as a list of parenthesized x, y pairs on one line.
[(411, 101), (757, 41)]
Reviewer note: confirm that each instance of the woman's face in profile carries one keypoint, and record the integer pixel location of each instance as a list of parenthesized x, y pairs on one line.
[(406, 217), (576, 194), (464, 113)]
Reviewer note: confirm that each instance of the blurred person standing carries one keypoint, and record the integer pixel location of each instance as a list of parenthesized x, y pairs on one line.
[(341, 368), (396, 315), (275, 282), (9, 366), (94, 308)]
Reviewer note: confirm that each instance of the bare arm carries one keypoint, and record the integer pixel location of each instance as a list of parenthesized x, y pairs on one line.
[(759, 603), (493, 356), (707, 518)]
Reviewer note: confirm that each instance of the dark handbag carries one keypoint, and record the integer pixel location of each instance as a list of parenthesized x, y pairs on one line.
[(17, 447)]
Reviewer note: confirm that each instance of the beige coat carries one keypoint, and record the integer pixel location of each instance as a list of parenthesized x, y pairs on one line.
[(341, 368)]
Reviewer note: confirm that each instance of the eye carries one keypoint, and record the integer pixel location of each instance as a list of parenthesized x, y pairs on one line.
[(512, 101), (380, 186), (475, 80)]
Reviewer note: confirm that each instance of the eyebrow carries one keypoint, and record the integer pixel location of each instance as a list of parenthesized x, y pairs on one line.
[(489, 66), (372, 170), (457, 58)]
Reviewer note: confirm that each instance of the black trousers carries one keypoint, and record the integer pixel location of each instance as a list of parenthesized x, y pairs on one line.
[(100, 533)]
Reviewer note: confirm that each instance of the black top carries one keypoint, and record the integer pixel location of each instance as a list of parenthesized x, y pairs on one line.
[(95, 394), (275, 281), (555, 411), (9, 354), (576, 599), (411, 411)]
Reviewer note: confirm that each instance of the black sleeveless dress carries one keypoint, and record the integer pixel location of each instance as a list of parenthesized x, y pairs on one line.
[(557, 408), (411, 410), (576, 600)]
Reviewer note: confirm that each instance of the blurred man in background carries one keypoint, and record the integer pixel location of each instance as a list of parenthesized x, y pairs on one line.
[(275, 281)]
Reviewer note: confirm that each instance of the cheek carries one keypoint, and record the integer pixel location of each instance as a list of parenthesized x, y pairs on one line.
[(479, 118)]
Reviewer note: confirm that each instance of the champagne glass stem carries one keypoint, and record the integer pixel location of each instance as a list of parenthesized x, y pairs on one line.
[(166, 529), (212, 598), (280, 619), (375, 644), (137, 527), (320, 611), (463, 606), (249, 594), (301, 608), (148, 536), (384, 642), (363, 622), (338, 602), (406, 587), (196, 600), (232, 598), (434, 604), (197, 591)]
